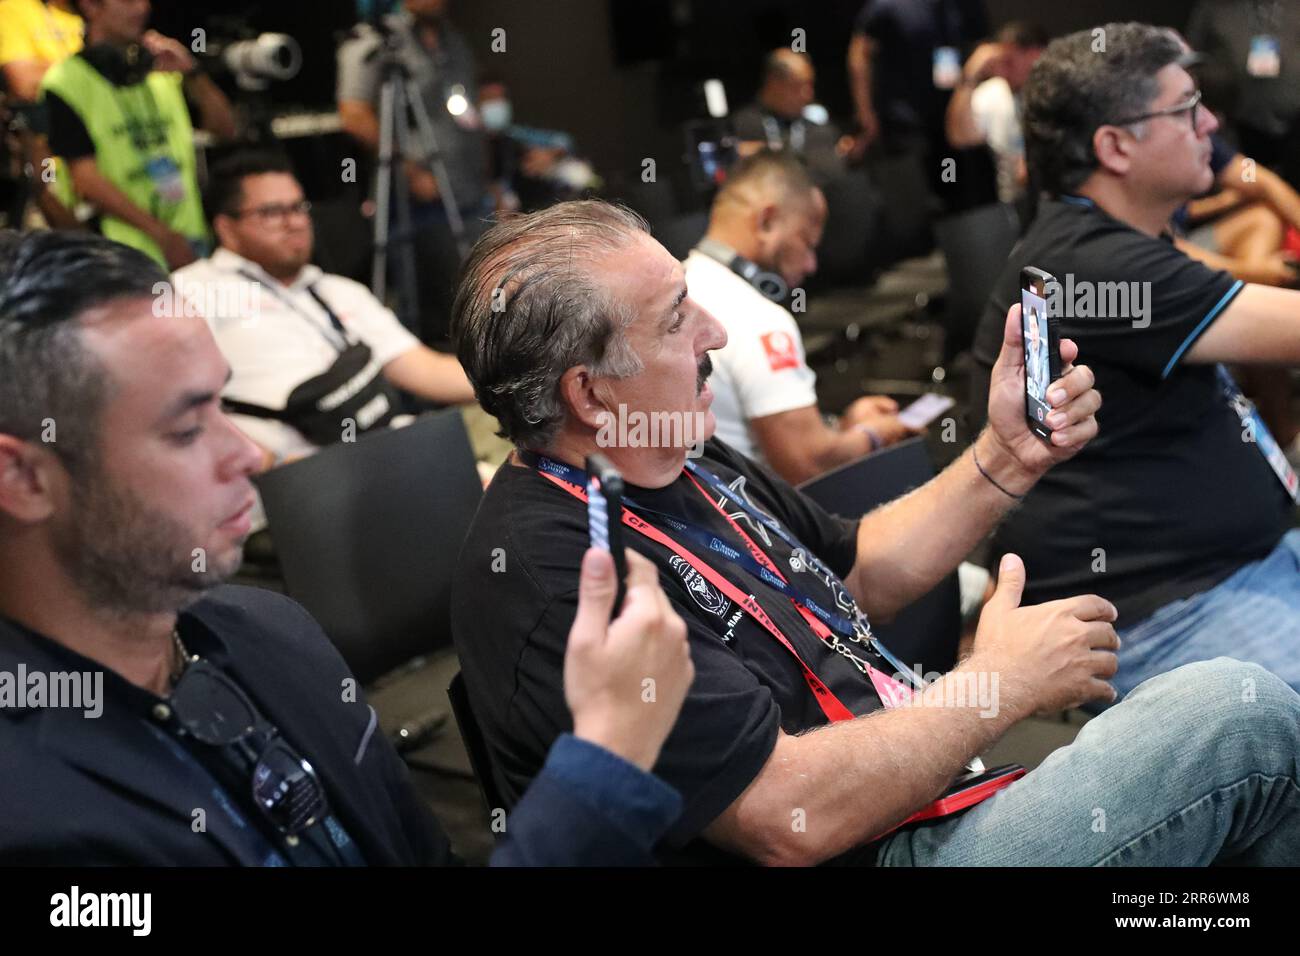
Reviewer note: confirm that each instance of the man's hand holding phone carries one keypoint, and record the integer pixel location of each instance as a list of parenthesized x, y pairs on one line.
[(1071, 396)]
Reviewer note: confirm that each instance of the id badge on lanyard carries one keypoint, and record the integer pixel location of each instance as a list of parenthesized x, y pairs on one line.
[(1265, 58), (891, 692), (946, 70), (772, 130), (1254, 431), (166, 178)]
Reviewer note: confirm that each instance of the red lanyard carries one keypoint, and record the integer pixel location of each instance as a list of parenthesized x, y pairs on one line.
[(819, 627), (831, 705)]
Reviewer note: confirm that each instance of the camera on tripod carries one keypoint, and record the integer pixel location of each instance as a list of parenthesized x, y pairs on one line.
[(254, 60)]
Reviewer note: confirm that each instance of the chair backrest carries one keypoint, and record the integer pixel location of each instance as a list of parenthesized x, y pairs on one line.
[(976, 245), (680, 233), (926, 632), (480, 760), (368, 534)]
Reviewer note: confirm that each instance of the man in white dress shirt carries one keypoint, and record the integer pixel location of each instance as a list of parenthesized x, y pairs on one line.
[(289, 329)]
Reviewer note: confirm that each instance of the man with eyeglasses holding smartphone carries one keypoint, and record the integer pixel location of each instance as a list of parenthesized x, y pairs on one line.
[(215, 725), (1180, 512)]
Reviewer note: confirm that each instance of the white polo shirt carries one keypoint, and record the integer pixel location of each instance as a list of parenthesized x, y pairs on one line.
[(762, 371), (276, 336)]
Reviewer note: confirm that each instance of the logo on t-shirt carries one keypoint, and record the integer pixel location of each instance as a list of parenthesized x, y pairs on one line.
[(704, 593), (781, 350)]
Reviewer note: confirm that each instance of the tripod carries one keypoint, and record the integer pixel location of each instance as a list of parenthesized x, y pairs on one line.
[(398, 142)]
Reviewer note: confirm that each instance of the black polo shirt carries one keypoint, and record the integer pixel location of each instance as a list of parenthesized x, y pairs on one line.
[(516, 595), (122, 788), (1168, 500)]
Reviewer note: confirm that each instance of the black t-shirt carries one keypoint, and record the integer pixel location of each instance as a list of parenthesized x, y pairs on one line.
[(1169, 492), (69, 137), (907, 32), (516, 595)]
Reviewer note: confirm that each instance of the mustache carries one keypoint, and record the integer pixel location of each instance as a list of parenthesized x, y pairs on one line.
[(705, 370)]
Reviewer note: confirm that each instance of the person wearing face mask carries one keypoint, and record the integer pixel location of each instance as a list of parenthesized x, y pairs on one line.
[(529, 167)]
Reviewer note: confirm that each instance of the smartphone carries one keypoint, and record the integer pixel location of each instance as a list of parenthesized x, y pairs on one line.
[(925, 410), (605, 517), (1042, 337)]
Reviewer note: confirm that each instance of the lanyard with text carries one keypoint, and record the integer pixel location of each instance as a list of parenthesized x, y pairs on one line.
[(890, 691), (758, 563), (1254, 430)]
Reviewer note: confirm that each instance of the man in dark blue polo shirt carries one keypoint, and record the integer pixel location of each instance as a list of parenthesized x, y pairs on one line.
[(148, 716), (1179, 512)]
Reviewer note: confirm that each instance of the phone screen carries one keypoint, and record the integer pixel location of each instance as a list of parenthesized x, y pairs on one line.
[(1038, 366)]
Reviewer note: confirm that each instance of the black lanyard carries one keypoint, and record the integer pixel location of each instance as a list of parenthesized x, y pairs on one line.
[(293, 306)]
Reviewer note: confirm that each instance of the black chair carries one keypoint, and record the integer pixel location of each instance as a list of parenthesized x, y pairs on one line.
[(368, 535), (926, 632), (680, 233), (976, 245), (480, 760)]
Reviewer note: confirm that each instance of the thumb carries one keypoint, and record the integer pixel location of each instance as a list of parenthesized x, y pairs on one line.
[(596, 590), (1011, 582), (1012, 339)]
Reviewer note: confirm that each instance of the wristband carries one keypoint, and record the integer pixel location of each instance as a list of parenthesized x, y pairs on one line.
[(875, 439), (975, 455)]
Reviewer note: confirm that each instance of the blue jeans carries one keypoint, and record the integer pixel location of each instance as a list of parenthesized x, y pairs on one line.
[(1252, 616), (1197, 766)]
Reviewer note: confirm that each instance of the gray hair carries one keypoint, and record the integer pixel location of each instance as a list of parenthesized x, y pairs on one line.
[(1075, 88), (530, 307)]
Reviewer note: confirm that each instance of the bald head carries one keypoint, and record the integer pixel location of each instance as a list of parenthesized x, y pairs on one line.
[(770, 211), (788, 79), (768, 178)]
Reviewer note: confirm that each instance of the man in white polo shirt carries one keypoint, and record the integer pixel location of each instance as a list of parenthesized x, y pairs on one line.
[(765, 224), (312, 354)]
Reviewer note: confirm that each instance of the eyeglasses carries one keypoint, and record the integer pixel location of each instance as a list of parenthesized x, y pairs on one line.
[(1191, 106), (276, 213), (213, 710)]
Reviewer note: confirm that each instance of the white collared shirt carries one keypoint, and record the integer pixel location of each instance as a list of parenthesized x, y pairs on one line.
[(277, 336)]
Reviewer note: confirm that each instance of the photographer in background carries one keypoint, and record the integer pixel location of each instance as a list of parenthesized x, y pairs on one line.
[(433, 53), (118, 117), (34, 35)]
